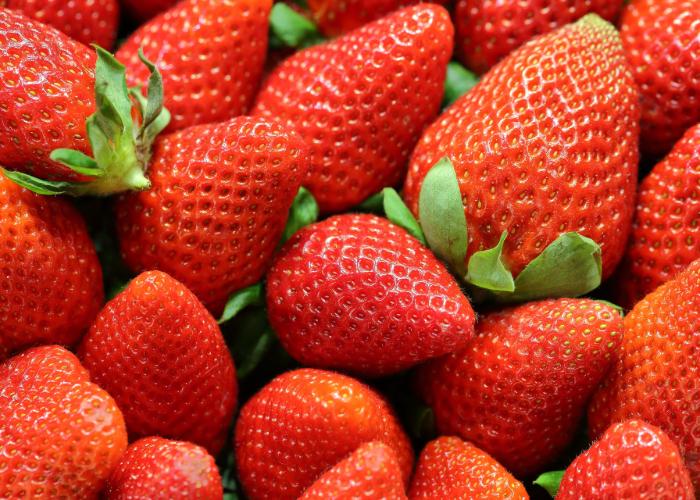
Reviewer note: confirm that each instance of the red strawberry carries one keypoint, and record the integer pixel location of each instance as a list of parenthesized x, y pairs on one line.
[(661, 42), (51, 280), (217, 207), (631, 460), (362, 101), (143, 10), (304, 422), (161, 355), (520, 388), (154, 467), (211, 53), (357, 293), (371, 471), (451, 468), (655, 376), (60, 434)]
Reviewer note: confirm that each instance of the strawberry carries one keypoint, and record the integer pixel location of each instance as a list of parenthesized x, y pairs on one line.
[(451, 468), (304, 422), (217, 207), (520, 388), (161, 355), (661, 42), (371, 471), (357, 293), (654, 376), (362, 101), (154, 467), (51, 281), (60, 434), (211, 53), (143, 10)]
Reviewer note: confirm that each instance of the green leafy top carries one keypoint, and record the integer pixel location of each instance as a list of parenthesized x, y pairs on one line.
[(550, 481), (458, 81), (288, 28)]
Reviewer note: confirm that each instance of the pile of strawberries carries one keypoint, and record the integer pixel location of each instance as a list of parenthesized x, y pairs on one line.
[(350, 249)]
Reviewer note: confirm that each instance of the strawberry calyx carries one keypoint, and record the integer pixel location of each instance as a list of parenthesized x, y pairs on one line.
[(458, 81), (289, 28), (387, 202), (550, 481)]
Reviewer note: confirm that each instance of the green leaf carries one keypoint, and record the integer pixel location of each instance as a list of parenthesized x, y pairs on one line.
[(253, 295), (441, 215), (486, 269), (77, 161), (36, 185), (550, 481), (374, 204), (458, 81), (260, 347), (155, 116), (304, 211), (398, 213), (113, 117), (291, 29)]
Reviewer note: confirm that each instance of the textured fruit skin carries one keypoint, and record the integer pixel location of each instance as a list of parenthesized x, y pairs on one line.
[(51, 281), (143, 10), (218, 204), (451, 468), (662, 45), (666, 228), (655, 374), (48, 107), (210, 53), (545, 143), (488, 30), (357, 293), (520, 388), (154, 467), (60, 434), (371, 471), (160, 354), (304, 422), (631, 460), (362, 119)]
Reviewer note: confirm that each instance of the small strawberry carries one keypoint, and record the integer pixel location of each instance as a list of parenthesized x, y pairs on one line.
[(362, 101), (304, 422), (520, 388), (154, 467), (60, 434), (143, 10), (451, 468), (160, 354)]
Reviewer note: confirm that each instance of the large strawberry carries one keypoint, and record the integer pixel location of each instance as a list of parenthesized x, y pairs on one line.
[(661, 42), (60, 434), (520, 388), (217, 207), (161, 355), (304, 422), (655, 375), (362, 101)]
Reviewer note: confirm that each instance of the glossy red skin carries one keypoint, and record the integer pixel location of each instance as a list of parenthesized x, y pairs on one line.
[(143, 10), (161, 355), (48, 107), (357, 293), (666, 228), (662, 44), (631, 460), (361, 120), (520, 388), (305, 421), (217, 206), (211, 55), (61, 434), (451, 468), (521, 142), (51, 281), (488, 30), (154, 467), (655, 375)]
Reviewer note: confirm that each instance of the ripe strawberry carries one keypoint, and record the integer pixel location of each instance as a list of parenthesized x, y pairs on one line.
[(546, 143), (655, 374), (631, 460), (666, 228), (451, 468), (161, 355), (362, 101), (143, 10), (371, 471), (217, 207), (60, 434), (519, 390), (304, 422), (661, 42), (51, 280), (211, 53), (154, 467), (357, 293)]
